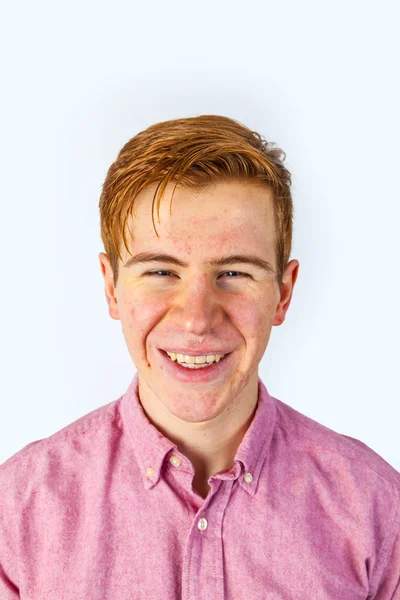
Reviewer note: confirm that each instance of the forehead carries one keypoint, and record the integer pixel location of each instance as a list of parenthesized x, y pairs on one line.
[(227, 215)]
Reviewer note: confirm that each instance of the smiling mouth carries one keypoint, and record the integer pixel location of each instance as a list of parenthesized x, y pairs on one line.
[(207, 360)]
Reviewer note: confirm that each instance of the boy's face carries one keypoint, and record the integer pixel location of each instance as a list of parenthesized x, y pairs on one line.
[(200, 308)]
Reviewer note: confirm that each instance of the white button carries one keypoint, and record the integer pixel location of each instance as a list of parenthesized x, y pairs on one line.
[(175, 461), (202, 524), (248, 478), (149, 472)]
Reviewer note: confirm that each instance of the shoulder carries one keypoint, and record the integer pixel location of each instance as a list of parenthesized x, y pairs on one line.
[(341, 476), (61, 453), (354, 478), (304, 433)]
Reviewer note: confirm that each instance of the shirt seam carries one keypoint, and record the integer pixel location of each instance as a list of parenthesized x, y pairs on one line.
[(361, 462), (14, 552), (380, 570), (388, 539)]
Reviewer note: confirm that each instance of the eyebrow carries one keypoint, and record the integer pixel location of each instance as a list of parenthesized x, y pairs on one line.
[(144, 257)]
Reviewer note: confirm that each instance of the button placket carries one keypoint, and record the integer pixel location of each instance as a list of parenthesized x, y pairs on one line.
[(202, 524), (203, 566)]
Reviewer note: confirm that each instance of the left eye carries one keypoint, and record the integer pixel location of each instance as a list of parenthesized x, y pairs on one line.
[(236, 273)]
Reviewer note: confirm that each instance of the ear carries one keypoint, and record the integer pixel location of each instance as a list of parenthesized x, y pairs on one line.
[(109, 288), (286, 291)]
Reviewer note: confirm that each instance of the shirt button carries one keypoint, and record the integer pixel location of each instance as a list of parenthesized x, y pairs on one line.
[(248, 478), (175, 461), (202, 524), (149, 472)]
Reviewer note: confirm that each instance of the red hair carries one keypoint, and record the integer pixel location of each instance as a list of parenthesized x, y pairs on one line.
[(194, 152)]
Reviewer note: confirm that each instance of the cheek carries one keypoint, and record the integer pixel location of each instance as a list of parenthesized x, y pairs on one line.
[(142, 314), (255, 319)]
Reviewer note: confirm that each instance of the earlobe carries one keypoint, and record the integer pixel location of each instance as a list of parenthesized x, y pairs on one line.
[(286, 291), (278, 320), (109, 288), (112, 302)]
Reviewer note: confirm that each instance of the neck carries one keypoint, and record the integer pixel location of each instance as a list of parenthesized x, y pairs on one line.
[(211, 446)]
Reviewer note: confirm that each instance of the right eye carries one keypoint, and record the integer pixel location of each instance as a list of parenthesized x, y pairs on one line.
[(156, 273)]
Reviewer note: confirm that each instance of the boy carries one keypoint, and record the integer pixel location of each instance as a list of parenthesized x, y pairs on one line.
[(197, 483)]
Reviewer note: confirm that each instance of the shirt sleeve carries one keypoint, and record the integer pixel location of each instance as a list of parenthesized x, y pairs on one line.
[(389, 587), (8, 559)]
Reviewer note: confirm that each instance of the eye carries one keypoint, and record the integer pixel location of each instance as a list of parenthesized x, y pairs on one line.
[(236, 273), (156, 273)]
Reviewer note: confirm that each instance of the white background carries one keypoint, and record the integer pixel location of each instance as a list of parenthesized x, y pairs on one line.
[(320, 79)]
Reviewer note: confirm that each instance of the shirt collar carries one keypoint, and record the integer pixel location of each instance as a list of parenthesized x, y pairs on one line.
[(151, 447)]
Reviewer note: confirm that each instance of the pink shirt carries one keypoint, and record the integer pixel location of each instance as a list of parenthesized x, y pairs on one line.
[(104, 509)]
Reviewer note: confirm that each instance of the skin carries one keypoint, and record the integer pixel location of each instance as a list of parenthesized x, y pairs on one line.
[(201, 306)]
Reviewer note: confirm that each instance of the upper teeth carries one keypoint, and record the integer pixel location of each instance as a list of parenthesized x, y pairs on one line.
[(185, 358)]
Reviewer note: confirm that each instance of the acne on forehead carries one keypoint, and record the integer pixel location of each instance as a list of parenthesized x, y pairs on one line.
[(183, 246), (222, 243), (183, 228)]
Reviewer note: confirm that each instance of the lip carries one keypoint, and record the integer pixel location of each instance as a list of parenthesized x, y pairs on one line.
[(193, 352), (212, 373)]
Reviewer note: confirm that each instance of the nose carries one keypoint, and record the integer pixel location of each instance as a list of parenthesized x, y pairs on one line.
[(198, 306)]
